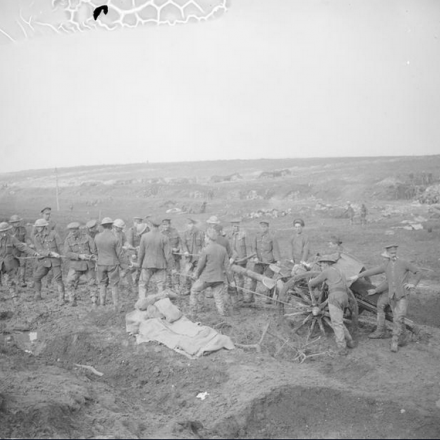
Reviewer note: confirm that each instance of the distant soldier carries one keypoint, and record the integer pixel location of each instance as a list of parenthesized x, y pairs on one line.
[(48, 244), (125, 268), (397, 272), (299, 243), (80, 249), (349, 212), (134, 235), (19, 232), (267, 251), (173, 279), (337, 301), (364, 213), (193, 241), (237, 239), (9, 264), (212, 269), (154, 258), (109, 258)]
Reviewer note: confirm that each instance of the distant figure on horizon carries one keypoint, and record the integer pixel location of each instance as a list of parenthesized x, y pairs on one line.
[(364, 213), (349, 212)]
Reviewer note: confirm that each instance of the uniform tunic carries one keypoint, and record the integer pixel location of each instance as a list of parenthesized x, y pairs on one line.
[(299, 248)]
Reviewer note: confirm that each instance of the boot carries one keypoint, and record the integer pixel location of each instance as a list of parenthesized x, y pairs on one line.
[(115, 296), (61, 294), (395, 344), (102, 293), (381, 331)]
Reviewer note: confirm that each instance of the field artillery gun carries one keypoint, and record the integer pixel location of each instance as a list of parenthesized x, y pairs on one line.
[(302, 306)]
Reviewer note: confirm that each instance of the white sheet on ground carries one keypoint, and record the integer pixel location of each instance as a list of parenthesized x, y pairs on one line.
[(182, 335)]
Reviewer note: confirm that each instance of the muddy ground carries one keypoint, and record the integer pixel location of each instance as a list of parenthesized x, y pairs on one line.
[(149, 391)]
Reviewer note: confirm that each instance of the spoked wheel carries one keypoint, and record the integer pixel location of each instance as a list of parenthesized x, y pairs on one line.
[(310, 307)]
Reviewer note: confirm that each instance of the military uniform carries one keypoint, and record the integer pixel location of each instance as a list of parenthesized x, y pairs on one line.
[(46, 242), (239, 252), (82, 244), (299, 248), (20, 233), (173, 280), (211, 272), (125, 270), (109, 258), (337, 302), (266, 248), (397, 273), (192, 242), (154, 259), (9, 264)]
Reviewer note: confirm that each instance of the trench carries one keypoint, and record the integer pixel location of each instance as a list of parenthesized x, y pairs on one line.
[(309, 412)]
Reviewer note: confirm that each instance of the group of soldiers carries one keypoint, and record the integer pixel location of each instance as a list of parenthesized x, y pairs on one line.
[(199, 260)]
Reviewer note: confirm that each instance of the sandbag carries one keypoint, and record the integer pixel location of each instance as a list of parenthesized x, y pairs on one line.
[(169, 310)]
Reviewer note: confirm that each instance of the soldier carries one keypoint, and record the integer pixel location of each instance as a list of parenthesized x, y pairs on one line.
[(48, 244), (397, 273), (266, 248), (80, 248), (109, 258), (9, 264), (175, 244), (237, 239), (364, 213), (337, 301), (154, 258), (92, 228), (349, 212), (212, 271), (19, 232), (125, 269), (193, 241), (134, 240), (222, 240), (299, 243)]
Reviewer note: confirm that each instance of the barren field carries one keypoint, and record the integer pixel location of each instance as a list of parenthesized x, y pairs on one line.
[(149, 391)]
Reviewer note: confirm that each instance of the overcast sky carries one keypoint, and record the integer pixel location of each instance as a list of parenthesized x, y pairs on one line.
[(270, 78)]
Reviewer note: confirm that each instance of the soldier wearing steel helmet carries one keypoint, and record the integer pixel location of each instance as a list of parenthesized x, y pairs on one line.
[(19, 232), (81, 251), (109, 259), (8, 257), (337, 300), (48, 244)]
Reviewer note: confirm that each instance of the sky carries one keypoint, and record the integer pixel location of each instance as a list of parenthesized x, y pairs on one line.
[(267, 79)]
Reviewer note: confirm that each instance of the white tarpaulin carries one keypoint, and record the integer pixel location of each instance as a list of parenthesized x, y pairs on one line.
[(182, 335)]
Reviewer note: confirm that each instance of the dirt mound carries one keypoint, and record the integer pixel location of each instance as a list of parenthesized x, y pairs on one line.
[(300, 412)]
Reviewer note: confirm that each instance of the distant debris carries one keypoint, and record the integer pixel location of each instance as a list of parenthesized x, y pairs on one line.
[(274, 174)]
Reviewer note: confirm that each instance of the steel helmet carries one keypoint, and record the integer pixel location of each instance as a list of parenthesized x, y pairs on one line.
[(4, 226), (15, 219), (106, 221), (119, 223), (41, 222)]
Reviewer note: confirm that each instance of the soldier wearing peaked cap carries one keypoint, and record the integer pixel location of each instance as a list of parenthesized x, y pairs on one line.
[(92, 228), (337, 300), (8, 257), (397, 273), (173, 278), (81, 251), (48, 243), (19, 232), (299, 243)]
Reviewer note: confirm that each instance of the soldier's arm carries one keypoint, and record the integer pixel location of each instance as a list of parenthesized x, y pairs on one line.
[(276, 249), (58, 241), (318, 280), (68, 251), (200, 265), (141, 254), (167, 251), (410, 267), (22, 247), (92, 246), (374, 271), (119, 250)]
